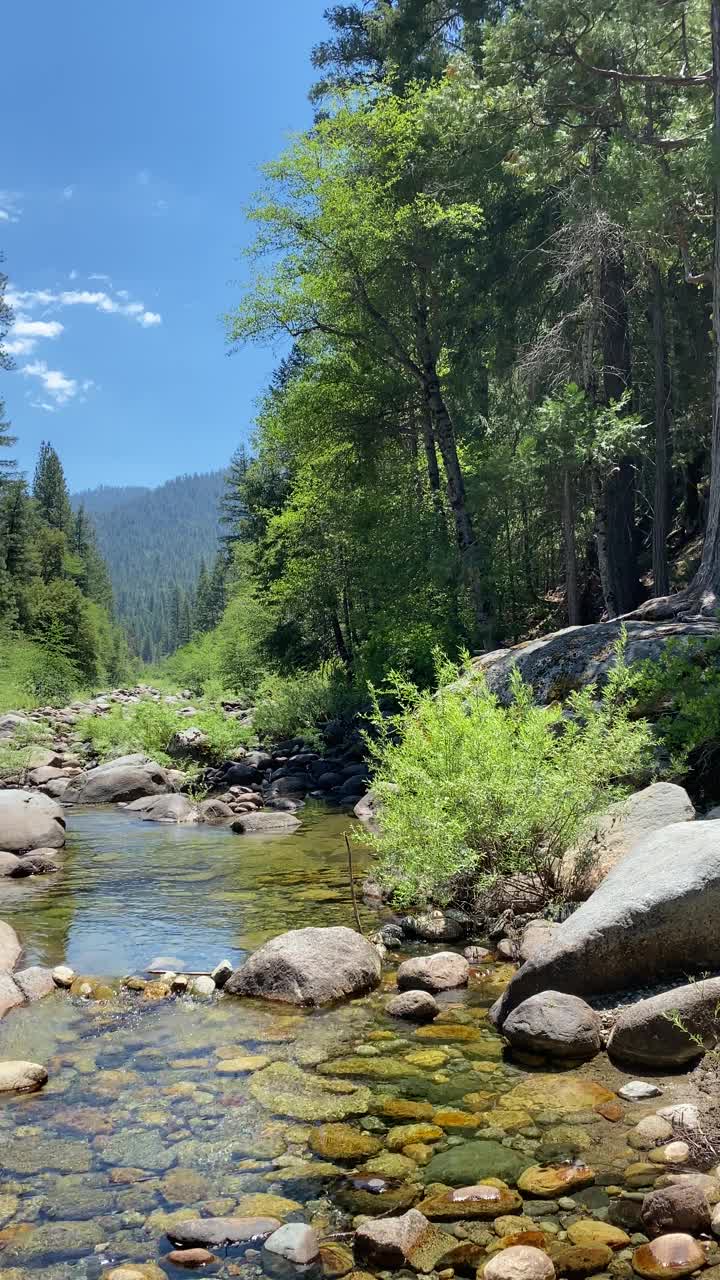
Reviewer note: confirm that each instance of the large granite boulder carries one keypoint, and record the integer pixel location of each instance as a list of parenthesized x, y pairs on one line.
[(30, 821), (309, 967), (557, 1024), (440, 972), (172, 807), (656, 914), (117, 782), (614, 834), (570, 659), (10, 948), (668, 1029)]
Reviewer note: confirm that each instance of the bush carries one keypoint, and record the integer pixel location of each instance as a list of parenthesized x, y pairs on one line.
[(149, 727), (473, 791), (302, 705), (681, 691), (31, 675)]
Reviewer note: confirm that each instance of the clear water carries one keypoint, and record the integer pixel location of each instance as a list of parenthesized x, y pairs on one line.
[(140, 1119)]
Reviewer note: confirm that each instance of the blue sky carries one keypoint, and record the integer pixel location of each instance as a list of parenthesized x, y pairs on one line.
[(131, 144)]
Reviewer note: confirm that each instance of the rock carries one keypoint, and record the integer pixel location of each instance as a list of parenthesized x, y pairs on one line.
[(477, 955), (536, 935), (222, 973), (10, 995), (342, 1142), (12, 724), (63, 976), (404, 1135), (676, 1208), (413, 1006), (369, 808), (10, 948), (284, 1089), (434, 926), (616, 833), (671, 1153), (638, 1090), (554, 1023), (683, 1114), (202, 986), (570, 659), (668, 1256), (519, 1262), (550, 1181), (481, 1202), (622, 936), (30, 821), (190, 1258), (273, 822), (118, 781), (309, 967), (579, 1260), (645, 1032), (293, 1245), (164, 808), (588, 1232), (13, 867), (471, 1162), (35, 982), (396, 1242), (22, 1077), (215, 813), (440, 972), (218, 1232)]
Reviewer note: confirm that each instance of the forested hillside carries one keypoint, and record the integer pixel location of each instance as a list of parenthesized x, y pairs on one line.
[(492, 256), (155, 543)]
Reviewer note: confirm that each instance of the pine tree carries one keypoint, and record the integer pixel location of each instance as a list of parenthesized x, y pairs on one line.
[(50, 491), (233, 503)]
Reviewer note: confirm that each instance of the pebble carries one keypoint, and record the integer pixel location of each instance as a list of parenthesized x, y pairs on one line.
[(63, 976), (637, 1090)]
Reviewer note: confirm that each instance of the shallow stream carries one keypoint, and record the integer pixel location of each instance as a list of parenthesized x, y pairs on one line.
[(157, 1112)]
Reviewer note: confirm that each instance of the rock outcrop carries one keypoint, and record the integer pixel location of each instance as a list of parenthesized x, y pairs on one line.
[(309, 967), (669, 1029), (657, 914), (30, 821), (118, 781), (617, 832)]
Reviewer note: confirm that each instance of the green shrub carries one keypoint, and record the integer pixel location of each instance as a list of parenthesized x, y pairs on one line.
[(680, 690), (472, 790), (31, 675), (302, 705), (149, 727)]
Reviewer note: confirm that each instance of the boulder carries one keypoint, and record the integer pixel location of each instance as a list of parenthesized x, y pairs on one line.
[(295, 1244), (22, 1077), (570, 659), (272, 823), (414, 1006), (215, 813), (615, 833), (554, 1023), (13, 867), (165, 808), (30, 821), (118, 782), (441, 972), (656, 914), (223, 1231), (35, 983), (10, 948), (435, 926), (536, 935), (676, 1208), (407, 1241), (10, 994), (661, 1031), (309, 967)]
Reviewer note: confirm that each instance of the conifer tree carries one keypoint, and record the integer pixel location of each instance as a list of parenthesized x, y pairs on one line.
[(50, 491)]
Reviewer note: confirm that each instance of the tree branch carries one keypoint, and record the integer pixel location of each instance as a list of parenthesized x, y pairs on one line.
[(636, 77)]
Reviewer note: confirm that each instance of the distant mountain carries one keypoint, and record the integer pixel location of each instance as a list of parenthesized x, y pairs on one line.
[(154, 542)]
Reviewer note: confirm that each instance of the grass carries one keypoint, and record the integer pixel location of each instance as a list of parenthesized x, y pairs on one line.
[(150, 726)]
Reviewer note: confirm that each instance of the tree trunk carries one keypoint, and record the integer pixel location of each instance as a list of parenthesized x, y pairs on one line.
[(567, 515), (431, 459), (601, 542), (661, 515), (622, 564), (340, 645)]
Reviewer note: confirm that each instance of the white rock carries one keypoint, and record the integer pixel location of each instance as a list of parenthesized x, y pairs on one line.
[(683, 1115), (22, 1077), (202, 986), (222, 972), (637, 1090), (63, 975)]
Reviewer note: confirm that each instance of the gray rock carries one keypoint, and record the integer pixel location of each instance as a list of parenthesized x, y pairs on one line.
[(11, 724), (656, 914), (63, 976), (35, 982), (293, 1245), (58, 1240), (396, 1243), (10, 948), (22, 1077), (309, 967), (413, 1006), (223, 1231), (30, 821), (272, 823), (166, 808), (441, 972), (138, 1149), (676, 1208), (10, 995), (554, 1023), (614, 834), (118, 781), (434, 926), (13, 867), (646, 1032), (477, 955), (536, 935), (638, 1090), (215, 813), (222, 973), (572, 658), (203, 985)]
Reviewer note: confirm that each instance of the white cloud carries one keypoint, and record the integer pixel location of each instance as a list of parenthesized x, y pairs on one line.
[(68, 193), (25, 334), (115, 303), (100, 275), (43, 404), (9, 210), (149, 318), (56, 385)]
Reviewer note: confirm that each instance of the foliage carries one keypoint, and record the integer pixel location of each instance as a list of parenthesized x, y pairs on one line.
[(304, 704), (473, 790), (681, 691), (149, 726), (31, 676)]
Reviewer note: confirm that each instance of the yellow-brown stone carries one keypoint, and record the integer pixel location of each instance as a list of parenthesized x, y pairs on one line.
[(404, 1134), (549, 1181), (589, 1232), (453, 1118), (404, 1109), (242, 1065), (484, 1201), (668, 1256)]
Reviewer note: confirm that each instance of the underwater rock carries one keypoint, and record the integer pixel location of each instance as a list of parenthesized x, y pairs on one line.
[(286, 1090), (441, 972)]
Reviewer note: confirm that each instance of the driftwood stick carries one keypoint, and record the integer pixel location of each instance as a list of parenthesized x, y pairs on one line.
[(352, 884)]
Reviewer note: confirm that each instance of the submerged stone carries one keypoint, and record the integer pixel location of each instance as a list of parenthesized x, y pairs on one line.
[(342, 1142), (668, 1256), (481, 1201), (548, 1181), (285, 1089), (471, 1162)]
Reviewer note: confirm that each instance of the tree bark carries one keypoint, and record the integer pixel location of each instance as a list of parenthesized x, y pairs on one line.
[(431, 459), (601, 542), (567, 515), (624, 577), (661, 514)]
